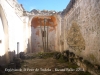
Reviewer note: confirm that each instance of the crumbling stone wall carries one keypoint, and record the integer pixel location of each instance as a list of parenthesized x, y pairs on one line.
[(81, 29), (13, 25), (53, 32)]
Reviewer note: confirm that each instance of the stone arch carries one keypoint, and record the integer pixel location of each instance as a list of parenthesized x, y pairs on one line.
[(31, 17), (29, 38), (29, 49), (6, 35), (51, 33), (52, 18), (75, 39)]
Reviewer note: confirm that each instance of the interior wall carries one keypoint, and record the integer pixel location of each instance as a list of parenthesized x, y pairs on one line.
[(4, 37), (82, 29), (16, 27), (36, 34)]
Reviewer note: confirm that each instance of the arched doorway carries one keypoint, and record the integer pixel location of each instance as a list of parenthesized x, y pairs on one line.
[(4, 38)]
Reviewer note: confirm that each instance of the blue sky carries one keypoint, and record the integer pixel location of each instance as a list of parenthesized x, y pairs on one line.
[(57, 5)]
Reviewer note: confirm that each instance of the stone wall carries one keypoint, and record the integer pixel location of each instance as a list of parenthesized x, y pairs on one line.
[(81, 29), (18, 8), (52, 33), (14, 28), (77, 29)]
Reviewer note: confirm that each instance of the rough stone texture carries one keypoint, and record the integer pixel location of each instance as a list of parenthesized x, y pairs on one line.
[(16, 31), (75, 39), (51, 28), (77, 30), (85, 14)]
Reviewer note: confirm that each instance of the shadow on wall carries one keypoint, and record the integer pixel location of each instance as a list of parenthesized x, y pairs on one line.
[(9, 56), (28, 50), (3, 59)]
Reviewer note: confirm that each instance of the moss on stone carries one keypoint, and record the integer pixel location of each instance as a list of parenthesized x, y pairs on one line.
[(45, 55)]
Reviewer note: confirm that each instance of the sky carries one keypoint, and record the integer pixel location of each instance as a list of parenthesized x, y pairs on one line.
[(57, 5)]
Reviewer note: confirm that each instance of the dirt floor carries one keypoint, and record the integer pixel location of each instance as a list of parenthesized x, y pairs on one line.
[(47, 65)]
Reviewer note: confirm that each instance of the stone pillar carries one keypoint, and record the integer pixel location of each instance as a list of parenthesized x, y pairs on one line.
[(17, 49)]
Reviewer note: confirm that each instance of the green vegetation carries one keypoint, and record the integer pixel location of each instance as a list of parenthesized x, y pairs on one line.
[(59, 63), (45, 55)]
